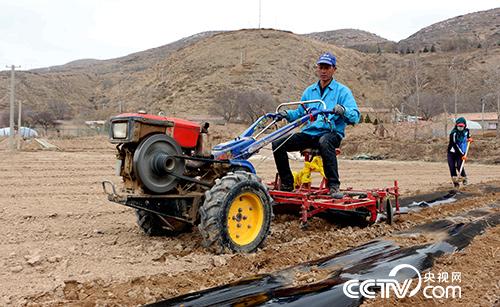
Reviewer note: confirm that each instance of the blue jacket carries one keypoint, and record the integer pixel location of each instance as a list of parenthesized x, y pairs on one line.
[(333, 94), (458, 141)]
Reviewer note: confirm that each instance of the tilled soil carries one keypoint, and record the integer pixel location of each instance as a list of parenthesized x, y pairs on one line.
[(63, 243)]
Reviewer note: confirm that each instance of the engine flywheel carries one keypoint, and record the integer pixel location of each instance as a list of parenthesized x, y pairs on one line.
[(154, 163)]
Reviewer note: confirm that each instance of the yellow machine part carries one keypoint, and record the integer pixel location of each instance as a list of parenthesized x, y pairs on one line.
[(304, 175)]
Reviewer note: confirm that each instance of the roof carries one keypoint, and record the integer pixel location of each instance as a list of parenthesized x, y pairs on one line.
[(374, 110), (95, 122), (489, 116), (25, 132)]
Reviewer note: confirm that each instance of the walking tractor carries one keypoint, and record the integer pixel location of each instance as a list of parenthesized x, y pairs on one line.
[(174, 181)]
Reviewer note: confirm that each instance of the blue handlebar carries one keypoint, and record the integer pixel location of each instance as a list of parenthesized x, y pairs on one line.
[(246, 144)]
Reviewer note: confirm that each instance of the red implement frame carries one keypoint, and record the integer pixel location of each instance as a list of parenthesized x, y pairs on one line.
[(313, 200)]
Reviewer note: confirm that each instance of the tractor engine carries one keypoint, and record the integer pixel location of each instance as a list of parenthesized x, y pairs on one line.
[(175, 181), (152, 150)]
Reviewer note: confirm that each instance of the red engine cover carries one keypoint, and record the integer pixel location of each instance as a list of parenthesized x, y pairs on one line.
[(184, 132)]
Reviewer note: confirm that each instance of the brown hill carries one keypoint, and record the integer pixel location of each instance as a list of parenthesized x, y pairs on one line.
[(185, 81), (352, 38), (275, 62), (184, 77), (92, 88), (133, 62), (479, 29)]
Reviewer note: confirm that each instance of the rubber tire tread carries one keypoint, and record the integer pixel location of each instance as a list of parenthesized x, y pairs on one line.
[(213, 213)]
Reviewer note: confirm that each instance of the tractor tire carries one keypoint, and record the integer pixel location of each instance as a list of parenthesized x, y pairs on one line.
[(236, 214), (153, 226), (234, 169)]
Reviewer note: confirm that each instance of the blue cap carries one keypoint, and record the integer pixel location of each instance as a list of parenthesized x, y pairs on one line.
[(327, 58)]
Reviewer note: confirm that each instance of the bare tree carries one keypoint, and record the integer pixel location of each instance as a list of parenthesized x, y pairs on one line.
[(456, 74), (456, 44), (226, 104), (45, 119), (420, 81), (430, 104), (394, 93), (4, 118), (242, 105), (26, 114), (399, 85), (445, 111), (492, 82), (255, 103), (440, 81), (96, 106), (60, 109)]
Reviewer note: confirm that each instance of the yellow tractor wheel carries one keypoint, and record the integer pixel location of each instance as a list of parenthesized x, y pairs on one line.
[(236, 214)]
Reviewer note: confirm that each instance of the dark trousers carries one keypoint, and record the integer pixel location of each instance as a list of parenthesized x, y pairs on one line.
[(454, 163), (326, 143)]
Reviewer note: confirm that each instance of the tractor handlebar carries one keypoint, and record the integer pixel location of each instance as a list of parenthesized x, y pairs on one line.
[(302, 103)]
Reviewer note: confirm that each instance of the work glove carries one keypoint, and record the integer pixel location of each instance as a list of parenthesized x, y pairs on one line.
[(311, 109), (339, 109), (279, 115)]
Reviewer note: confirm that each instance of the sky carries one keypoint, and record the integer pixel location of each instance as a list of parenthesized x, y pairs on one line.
[(42, 33)]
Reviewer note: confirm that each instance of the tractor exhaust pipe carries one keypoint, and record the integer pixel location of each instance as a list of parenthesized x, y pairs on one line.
[(203, 148)]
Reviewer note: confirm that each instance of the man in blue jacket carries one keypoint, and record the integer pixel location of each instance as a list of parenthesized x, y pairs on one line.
[(323, 133)]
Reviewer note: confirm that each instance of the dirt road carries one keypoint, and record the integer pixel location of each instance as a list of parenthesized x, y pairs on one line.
[(62, 242)]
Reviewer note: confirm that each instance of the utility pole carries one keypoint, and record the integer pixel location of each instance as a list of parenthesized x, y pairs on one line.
[(498, 115), (260, 9), (445, 118), (417, 92), (457, 78), (12, 106), (456, 104), (19, 135), (482, 114), (243, 56)]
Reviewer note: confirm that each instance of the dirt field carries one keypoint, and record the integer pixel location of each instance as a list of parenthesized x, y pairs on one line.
[(63, 243)]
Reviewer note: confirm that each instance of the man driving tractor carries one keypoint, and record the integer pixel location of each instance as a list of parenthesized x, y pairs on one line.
[(326, 132)]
